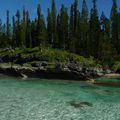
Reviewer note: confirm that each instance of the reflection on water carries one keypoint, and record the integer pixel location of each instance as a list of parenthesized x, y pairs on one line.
[(57, 100)]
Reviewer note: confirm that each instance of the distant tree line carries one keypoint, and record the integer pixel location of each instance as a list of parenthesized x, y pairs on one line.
[(81, 32)]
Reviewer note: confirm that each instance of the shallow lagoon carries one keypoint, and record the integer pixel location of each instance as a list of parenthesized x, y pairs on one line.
[(36, 99)]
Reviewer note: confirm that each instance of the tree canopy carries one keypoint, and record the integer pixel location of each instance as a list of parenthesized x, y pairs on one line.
[(79, 32)]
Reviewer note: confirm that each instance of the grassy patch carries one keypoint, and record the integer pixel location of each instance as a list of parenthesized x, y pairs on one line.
[(49, 55)]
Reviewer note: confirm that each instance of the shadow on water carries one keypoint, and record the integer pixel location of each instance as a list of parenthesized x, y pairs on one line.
[(108, 82), (118, 79)]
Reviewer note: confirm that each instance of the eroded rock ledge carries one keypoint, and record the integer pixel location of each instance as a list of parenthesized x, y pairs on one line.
[(71, 71)]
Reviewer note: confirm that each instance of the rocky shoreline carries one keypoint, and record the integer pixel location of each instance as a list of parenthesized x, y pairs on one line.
[(40, 67), (70, 71)]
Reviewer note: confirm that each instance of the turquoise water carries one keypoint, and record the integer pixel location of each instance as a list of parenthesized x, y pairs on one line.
[(114, 80), (50, 100)]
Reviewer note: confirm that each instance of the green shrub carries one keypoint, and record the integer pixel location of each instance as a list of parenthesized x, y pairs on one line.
[(116, 65), (50, 55)]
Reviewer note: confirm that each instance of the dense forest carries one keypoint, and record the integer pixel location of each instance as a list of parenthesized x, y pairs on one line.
[(82, 32)]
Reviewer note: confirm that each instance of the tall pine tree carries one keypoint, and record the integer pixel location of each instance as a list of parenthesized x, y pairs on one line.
[(84, 31), (28, 31), (41, 34), (94, 32), (8, 30), (18, 30), (114, 26), (54, 21), (71, 42), (13, 43), (105, 46), (75, 13), (49, 27), (23, 28), (63, 28)]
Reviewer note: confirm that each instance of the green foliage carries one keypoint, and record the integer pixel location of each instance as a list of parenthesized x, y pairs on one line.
[(114, 26), (94, 31), (28, 38), (8, 29), (18, 30), (75, 9), (13, 43), (116, 65), (41, 35), (80, 33), (62, 22), (49, 55), (23, 28), (53, 25)]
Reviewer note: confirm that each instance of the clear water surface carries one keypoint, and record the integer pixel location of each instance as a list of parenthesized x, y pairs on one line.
[(36, 99)]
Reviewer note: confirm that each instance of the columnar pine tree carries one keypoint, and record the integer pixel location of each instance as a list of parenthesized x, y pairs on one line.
[(41, 35), (23, 28), (33, 33), (0, 32), (2, 36), (71, 20), (79, 32), (28, 31), (71, 42), (43, 32), (75, 13), (63, 28), (84, 31), (18, 30), (94, 32), (54, 34), (59, 31), (4, 39), (105, 47), (78, 35), (119, 28), (38, 27), (13, 43), (114, 26), (49, 27), (8, 30)]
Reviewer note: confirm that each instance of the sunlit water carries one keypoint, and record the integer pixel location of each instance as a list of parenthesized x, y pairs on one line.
[(49, 100)]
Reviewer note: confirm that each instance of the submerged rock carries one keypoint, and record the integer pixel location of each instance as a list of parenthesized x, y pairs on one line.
[(78, 104), (108, 91)]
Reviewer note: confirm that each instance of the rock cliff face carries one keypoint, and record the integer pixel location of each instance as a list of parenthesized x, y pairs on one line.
[(84, 71), (70, 71)]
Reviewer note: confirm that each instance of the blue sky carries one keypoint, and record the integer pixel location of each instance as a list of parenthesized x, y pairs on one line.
[(13, 5)]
